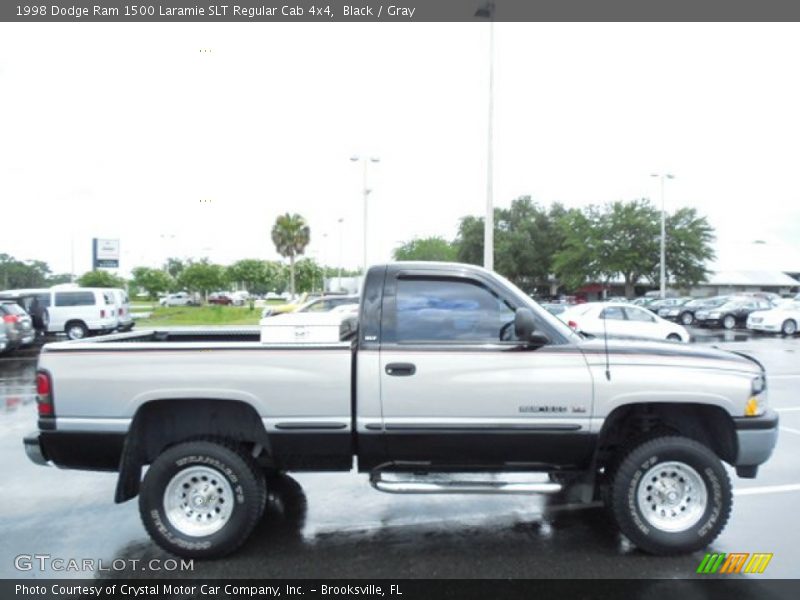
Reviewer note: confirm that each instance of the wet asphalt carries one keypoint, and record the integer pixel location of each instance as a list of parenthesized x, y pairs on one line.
[(337, 526)]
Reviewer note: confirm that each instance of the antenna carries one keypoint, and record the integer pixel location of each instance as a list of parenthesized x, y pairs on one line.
[(605, 344)]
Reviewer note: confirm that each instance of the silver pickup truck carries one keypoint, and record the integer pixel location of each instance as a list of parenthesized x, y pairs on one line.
[(452, 380)]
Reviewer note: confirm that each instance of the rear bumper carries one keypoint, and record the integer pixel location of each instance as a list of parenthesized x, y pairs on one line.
[(33, 449), (756, 438)]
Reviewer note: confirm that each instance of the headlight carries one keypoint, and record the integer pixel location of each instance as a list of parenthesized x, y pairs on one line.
[(758, 385), (673, 312), (714, 315)]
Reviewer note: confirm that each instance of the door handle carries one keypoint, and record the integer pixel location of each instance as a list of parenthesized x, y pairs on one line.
[(401, 369)]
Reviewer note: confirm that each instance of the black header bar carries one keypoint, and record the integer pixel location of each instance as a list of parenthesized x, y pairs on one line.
[(403, 11)]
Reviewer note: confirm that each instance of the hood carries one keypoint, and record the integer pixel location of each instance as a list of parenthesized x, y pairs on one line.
[(633, 351)]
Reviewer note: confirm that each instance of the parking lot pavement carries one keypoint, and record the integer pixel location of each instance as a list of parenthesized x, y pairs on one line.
[(335, 525)]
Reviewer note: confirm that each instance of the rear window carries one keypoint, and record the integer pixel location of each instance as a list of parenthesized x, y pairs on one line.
[(75, 299), (109, 297), (14, 309)]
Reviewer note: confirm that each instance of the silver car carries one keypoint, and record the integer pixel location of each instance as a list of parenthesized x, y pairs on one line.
[(17, 324)]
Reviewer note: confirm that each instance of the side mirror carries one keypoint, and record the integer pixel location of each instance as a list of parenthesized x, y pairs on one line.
[(524, 328)]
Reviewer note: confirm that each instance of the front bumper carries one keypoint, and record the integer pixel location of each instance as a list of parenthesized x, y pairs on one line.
[(767, 327), (33, 448), (756, 437)]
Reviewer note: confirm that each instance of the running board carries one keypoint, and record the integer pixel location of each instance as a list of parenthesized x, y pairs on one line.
[(450, 483)]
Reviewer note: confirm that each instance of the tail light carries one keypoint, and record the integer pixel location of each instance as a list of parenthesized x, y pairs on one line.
[(10, 319), (572, 324), (121, 311), (44, 394), (102, 313)]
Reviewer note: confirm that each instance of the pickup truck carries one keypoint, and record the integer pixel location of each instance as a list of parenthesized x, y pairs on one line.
[(453, 381)]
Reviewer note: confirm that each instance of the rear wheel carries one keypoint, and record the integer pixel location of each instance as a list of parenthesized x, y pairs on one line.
[(674, 337), (729, 322), (686, 318), (202, 499), (789, 327), (670, 495), (76, 330)]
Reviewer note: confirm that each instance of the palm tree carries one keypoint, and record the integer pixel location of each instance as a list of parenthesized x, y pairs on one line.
[(291, 235)]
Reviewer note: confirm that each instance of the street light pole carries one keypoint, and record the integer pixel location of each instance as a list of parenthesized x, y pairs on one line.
[(367, 191), (487, 12), (339, 283), (663, 261)]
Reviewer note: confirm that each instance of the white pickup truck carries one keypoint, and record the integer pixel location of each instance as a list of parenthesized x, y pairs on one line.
[(452, 379)]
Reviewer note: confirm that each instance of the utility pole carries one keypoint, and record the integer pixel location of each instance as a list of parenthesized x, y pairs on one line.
[(663, 261), (487, 12)]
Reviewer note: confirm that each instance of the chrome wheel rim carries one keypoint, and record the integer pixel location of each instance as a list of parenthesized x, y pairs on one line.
[(728, 322), (198, 501), (672, 496), (687, 319), (75, 332), (789, 328)]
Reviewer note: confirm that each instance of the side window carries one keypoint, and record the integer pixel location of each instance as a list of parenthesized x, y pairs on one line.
[(443, 310), (612, 313), (635, 314), (74, 298), (321, 306)]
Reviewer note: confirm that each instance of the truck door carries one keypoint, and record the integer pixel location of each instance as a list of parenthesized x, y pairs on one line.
[(458, 389)]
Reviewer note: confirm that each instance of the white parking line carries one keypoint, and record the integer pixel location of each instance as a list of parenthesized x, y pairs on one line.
[(792, 409), (783, 376), (790, 430), (767, 489)]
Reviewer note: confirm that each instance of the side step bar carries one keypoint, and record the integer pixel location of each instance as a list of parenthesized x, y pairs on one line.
[(450, 483)]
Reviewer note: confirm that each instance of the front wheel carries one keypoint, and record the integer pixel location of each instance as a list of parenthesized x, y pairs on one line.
[(201, 499), (789, 327), (686, 318), (729, 322), (670, 495), (674, 337)]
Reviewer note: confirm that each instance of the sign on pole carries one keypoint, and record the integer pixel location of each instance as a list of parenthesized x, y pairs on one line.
[(105, 254)]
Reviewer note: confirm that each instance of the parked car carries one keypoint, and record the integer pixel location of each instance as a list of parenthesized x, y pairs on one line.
[(620, 319), (4, 347), (684, 314), (179, 299), (122, 306), (220, 298), (240, 297), (733, 313), (17, 324), (784, 319), (75, 311), (287, 307), (457, 382), (666, 304)]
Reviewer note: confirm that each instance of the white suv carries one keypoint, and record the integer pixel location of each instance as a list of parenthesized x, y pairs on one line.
[(76, 311)]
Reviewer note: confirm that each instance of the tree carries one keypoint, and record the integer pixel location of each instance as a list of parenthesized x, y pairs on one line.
[(581, 257), (291, 235), (152, 281), (249, 272), (430, 248), (101, 279), (310, 275), (174, 267), (526, 239), (622, 239), (16, 274), (688, 247), (202, 277)]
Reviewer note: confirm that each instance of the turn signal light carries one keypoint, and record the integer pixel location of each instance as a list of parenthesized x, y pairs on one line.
[(751, 408), (572, 324)]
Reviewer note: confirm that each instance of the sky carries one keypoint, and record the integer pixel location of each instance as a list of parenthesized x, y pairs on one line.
[(189, 139)]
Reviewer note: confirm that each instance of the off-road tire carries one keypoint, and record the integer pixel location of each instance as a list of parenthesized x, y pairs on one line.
[(243, 476), (627, 479)]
